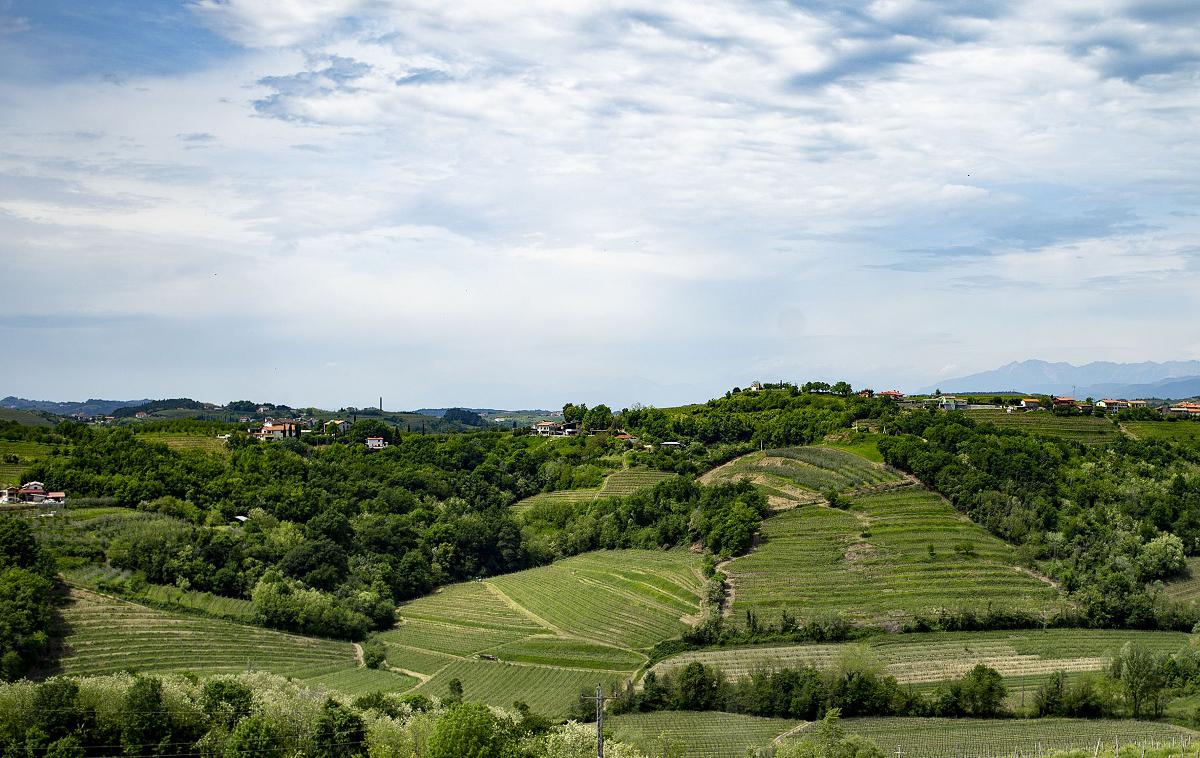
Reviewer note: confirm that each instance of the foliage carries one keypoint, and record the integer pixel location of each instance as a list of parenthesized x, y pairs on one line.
[(829, 740), (27, 592)]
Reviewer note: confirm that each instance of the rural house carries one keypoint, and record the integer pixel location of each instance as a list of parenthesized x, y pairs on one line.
[(376, 443), (890, 395)]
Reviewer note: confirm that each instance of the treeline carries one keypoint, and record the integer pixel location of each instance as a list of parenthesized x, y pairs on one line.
[(266, 716), (1139, 683), (856, 688), (187, 403), (678, 511), (773, 417), (28, 590), (1107, 522)]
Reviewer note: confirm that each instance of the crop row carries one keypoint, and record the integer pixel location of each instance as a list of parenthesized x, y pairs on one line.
[(1085, 429), (603, 595), (936, 657), (469, 604), (106, 635), (949, 738), (361, 681), (628, 481), (875, 563), (697, 735), (547, 690), (569, 653)]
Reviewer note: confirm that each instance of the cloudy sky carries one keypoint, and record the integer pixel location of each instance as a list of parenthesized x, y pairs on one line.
[(517, 204)]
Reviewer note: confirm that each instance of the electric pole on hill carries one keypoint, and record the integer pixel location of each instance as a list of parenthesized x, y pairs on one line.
[(599, 699)]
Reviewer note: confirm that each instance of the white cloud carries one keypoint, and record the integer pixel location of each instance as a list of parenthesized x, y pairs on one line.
[(688, 191)]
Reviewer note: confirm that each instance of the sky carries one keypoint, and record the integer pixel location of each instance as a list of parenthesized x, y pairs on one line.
[(522, 204)]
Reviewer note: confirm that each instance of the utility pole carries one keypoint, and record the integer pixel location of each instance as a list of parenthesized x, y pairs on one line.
[(599, 699)]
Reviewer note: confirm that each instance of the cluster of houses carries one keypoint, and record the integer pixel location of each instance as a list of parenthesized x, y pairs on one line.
[(30, 493)]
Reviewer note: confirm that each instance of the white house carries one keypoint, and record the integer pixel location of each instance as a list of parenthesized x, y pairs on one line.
[(336, 426), (376, 443)]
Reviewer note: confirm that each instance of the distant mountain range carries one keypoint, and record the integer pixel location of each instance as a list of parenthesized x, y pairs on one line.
[(1168, 380), (90, 407), (439, 412)]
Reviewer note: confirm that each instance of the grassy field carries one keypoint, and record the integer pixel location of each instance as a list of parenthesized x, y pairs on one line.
[(106, 635), (697, 735), (1090, 430), (949, 738), (624, 482), (872, 563), (1025, 658), (27, 452), (1173, 431), (542, 635), (204, 442)]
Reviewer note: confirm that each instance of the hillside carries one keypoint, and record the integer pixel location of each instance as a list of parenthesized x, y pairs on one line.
[(68, 408), (1025, 658), (883, 560), (544, 634)]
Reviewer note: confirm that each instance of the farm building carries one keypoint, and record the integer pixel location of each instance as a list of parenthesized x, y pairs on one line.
[(950, 403), (376, 443), (30, 492), (891, 395), (336, 426), (1112, 406), (1185, 410), (277, 430), (1064, 402), (1031, 403), (547, 428)]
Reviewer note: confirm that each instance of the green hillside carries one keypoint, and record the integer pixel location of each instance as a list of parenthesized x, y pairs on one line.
[(623, 482), (105, 635), (544, 634), (872, 563), (1173, 431), (1090, 430), (26, 453), (1025, 658), (697, 735), (797, 475), (953, 738)]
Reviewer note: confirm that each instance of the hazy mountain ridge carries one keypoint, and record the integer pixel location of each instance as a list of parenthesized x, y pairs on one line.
[(92, 407), (1169, 379)]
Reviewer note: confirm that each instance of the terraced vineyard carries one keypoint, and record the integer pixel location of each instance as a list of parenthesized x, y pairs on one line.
[(950, 738), (204, 442), (27, 452), (624, 482), (94, 576), (1173, 431), (796, 476), (1024, 658), (1186, 588), (872, 563), (697, 735), (1090, 430), (542, 635), (106, 635)]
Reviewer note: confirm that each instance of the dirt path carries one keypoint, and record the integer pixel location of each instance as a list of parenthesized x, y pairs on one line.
[(792, 732), (423, 678), (525, 611)]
